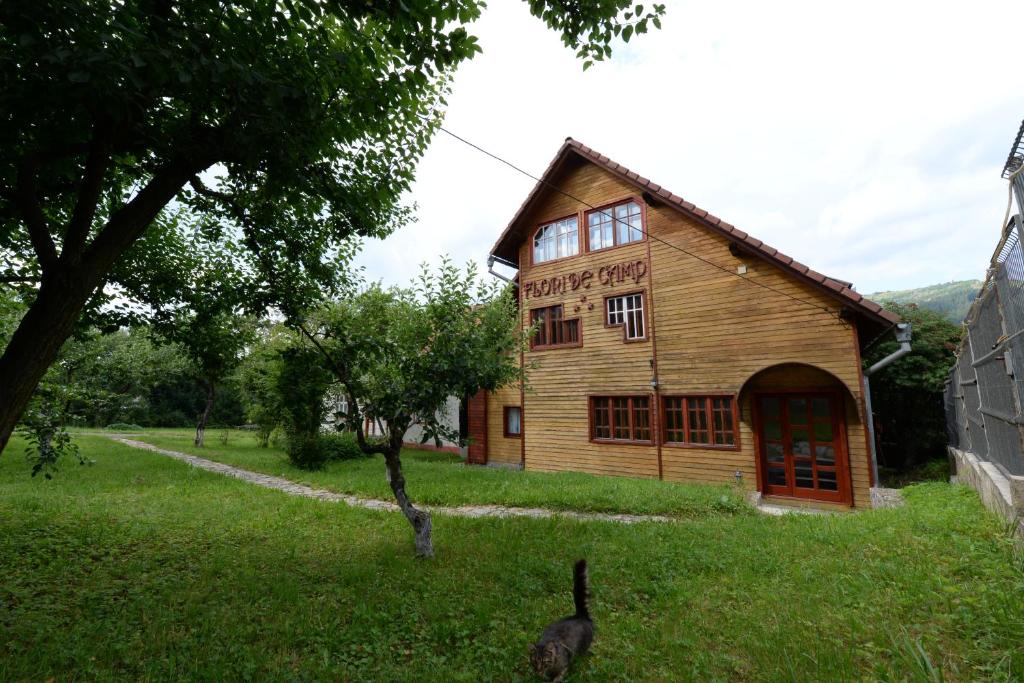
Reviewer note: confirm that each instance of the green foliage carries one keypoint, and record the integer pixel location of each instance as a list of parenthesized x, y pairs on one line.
[(951, 300), (11, 310), (125, 376), (297, 126), (306, 451), (907, 395), (398, 354), (258, 377), (124, 427), (590, 32), (302, 385), (42, 427), (340, 446), (934, 345)]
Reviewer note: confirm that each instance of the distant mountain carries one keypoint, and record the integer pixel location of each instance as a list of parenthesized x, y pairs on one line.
[(950, 299)]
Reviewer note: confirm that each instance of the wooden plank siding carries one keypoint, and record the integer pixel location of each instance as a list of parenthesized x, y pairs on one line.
[(502, 449), (713, 333), (476, 416)]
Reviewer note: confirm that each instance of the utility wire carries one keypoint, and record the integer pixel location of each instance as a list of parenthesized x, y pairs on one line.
[(724, 269)]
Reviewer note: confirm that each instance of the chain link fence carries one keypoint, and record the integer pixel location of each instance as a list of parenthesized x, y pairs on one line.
[(985, 390)]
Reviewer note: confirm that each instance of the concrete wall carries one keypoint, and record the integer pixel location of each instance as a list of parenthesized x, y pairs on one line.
[(449, 416), (1001, 493)]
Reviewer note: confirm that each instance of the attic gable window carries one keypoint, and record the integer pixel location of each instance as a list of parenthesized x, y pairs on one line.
[(556, 240), (611, 226)]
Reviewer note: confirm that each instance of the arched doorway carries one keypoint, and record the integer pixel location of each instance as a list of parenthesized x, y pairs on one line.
[(799, 418)]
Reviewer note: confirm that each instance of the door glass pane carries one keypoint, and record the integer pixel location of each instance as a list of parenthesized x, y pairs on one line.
[(825, 455), (770, 406), (820, 407), (777, 476), (774, 452), (798, 411), (804, 474), (823, 431), (827, 481), (801, 441), (772, 429)]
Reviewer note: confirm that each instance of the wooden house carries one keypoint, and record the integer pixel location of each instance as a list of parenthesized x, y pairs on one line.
[(673, 345)]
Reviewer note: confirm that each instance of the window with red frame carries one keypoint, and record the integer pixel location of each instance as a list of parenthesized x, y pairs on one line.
[(699, 420), (628, 311), (556, 240), (620, 418), (611, 226), (552, 329)]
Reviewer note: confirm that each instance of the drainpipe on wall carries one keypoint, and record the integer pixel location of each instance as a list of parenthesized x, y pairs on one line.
[(903, 334)]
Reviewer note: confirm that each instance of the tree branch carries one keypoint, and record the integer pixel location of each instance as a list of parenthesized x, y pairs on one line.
[(96, 164), (203, 191), (32, 213), (5, 279), (131, 220), (353, 406)]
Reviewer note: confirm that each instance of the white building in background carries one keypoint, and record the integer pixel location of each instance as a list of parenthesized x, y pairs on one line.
[(452, 416)]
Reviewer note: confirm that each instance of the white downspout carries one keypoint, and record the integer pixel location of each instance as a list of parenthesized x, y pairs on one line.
[(903, 334)]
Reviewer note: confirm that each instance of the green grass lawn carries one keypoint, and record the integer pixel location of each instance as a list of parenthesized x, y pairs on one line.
[(441, 479), (140, 567)]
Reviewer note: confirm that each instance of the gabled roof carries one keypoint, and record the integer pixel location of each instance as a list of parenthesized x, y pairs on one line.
[(507, 246)]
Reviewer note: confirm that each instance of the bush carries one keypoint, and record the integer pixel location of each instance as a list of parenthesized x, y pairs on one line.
[(313, 452), (341, 446), (124, 427), (307, 452)]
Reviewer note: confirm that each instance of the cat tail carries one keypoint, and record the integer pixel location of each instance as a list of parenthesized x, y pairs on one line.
[(580, 589)]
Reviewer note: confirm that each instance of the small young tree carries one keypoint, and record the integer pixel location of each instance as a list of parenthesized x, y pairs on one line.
[(302, 383), (398, 355), (258, 377)]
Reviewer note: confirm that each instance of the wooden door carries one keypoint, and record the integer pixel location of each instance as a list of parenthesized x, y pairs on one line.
[(802, 440)]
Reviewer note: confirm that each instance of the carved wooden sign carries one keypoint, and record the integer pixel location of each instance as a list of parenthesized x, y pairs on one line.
[(570, 282)]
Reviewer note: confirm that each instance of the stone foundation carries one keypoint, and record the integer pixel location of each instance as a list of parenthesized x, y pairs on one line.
[(1002, 494)]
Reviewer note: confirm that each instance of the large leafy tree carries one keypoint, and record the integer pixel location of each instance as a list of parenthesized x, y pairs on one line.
[(399, 354), (907, 396), (297, 123)]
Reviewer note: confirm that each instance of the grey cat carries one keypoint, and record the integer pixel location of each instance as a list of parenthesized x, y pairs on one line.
[(566, 638)]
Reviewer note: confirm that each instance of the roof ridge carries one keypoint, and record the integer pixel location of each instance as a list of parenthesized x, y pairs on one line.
[(833, 286)]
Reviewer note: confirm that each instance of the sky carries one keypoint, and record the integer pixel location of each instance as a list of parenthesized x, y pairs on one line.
[(864, 139)]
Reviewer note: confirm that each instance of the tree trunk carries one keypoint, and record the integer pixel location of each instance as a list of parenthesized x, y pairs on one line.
[(36, 343), (204, 417), (419, 519)]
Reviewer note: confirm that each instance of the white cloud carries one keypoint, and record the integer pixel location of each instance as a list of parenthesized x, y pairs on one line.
[(865, 140)]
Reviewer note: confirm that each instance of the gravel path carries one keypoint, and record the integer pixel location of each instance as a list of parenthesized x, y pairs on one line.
[(288, 486)]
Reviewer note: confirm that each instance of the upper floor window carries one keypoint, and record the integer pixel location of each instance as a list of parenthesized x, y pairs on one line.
[(628, 311), (614, 225), (556, 240), (552, 329)]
